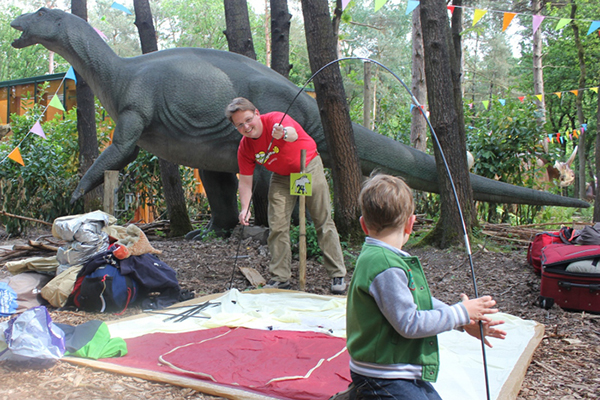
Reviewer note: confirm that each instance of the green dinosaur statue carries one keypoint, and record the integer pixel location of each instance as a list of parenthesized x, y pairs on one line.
[(171, 103)]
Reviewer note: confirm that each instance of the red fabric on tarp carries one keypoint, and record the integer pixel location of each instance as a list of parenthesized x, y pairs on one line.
[(248, 358)]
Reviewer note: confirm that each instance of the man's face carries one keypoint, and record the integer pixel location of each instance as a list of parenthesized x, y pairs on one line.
[(248, 123)]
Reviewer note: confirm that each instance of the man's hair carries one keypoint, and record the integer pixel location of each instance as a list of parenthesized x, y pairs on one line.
[(238, 104), (386, 202)]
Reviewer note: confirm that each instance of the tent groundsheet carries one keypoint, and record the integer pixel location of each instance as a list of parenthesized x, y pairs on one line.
[(268, 344)]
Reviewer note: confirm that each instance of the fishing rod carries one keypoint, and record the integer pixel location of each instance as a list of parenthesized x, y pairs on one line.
[(447, 168)]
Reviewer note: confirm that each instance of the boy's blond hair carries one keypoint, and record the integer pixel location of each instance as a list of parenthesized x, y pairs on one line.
[(386, 202), (238, 104)]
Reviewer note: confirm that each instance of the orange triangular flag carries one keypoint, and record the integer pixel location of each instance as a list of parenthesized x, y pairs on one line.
[(479, 13), (558, 94), (508, 17), (574, 91), (15, 155)]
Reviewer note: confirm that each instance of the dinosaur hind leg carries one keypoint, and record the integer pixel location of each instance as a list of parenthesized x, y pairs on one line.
[(221, 192)]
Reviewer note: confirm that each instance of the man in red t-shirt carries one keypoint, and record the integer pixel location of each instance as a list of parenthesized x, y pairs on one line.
[(275, 141)]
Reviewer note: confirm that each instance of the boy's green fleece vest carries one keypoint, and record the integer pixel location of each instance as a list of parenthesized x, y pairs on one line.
[(370, 337)]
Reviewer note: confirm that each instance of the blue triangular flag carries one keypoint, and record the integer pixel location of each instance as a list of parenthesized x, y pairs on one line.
[(502, 101), (71, 74), (411, 107), (595, 25), (411, 5), (584, 126), (121, 7)]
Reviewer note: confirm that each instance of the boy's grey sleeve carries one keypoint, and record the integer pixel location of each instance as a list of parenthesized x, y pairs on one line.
[(392, 295)]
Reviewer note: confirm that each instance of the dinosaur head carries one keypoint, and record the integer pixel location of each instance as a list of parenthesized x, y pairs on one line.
[(41, 27)]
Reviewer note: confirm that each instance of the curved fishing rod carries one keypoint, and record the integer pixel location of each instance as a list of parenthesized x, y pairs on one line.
[(454, 192)]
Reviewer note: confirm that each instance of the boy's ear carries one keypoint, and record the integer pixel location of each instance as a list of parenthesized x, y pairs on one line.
[(363, 225), (408, 228)]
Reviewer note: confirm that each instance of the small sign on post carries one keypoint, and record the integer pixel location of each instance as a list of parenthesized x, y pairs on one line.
[(301, 185)]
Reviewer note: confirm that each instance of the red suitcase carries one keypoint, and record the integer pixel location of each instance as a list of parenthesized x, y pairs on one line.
[(570, 290)]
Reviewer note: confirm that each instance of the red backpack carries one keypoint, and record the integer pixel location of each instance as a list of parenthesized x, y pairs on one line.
[(541, 240)]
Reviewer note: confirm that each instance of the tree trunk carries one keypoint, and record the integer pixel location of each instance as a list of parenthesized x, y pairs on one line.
[(335, 117), (86, 124), (280, 37), (418, 125), (239, 39), (441, 96), (169, 172), (538, 71), (579, 102), (238, 33)]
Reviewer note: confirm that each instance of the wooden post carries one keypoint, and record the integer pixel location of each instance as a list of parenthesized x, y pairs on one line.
[(302, 230), (111, 183)]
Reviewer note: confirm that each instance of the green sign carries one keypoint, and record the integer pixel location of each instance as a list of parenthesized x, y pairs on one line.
[(301, 184)]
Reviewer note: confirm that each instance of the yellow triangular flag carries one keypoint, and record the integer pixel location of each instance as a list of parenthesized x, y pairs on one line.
[(508, 17), (379, 4), (558, 94), (574, 92), (539, 96), (594, 89), (562, 23), (478, 14), (485, 103), (55, 102), (15, 155)]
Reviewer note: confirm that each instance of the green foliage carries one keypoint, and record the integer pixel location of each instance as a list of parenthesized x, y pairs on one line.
[(42, 188), (312, 245)]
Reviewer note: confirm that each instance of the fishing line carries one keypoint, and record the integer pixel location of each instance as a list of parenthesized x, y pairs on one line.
[(454, 192)]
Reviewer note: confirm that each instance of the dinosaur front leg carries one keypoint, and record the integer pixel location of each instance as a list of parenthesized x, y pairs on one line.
[(221, 192), (121, 152)]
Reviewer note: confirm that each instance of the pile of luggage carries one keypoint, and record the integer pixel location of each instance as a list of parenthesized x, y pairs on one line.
[(568, 261), (102, 267)]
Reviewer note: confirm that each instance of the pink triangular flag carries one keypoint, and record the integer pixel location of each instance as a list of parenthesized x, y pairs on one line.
[(37, 129), (345, 4), (537, 21)]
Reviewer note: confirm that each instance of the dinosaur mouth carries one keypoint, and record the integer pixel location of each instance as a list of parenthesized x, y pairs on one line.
[(22, 40)]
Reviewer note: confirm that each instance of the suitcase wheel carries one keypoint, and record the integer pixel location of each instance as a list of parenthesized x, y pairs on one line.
[(545, 302)]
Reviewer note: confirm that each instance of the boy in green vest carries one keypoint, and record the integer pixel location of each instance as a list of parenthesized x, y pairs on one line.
[(392, 320)]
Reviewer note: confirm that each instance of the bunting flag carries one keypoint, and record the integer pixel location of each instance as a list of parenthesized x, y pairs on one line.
[(486, 103), (15, 155), (37, 129), (71, 74), (575, 92), (502, 101), (55, 102), (121, 7), (451, 9), (379, 4), (594, 89), (562, 22), (508, 17), (540, 97), (594, 25), (558, 94), (102, 35), (521, 98), (411, 5), (345, 4), (537, 21), (479, 13)]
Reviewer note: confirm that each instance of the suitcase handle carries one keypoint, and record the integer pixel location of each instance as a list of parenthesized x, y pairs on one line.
[(569, 285)]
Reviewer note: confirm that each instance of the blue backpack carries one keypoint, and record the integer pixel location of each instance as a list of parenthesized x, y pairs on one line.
[(104, 290)]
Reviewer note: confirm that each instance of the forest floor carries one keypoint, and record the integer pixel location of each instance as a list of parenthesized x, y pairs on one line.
[(566, 364)]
